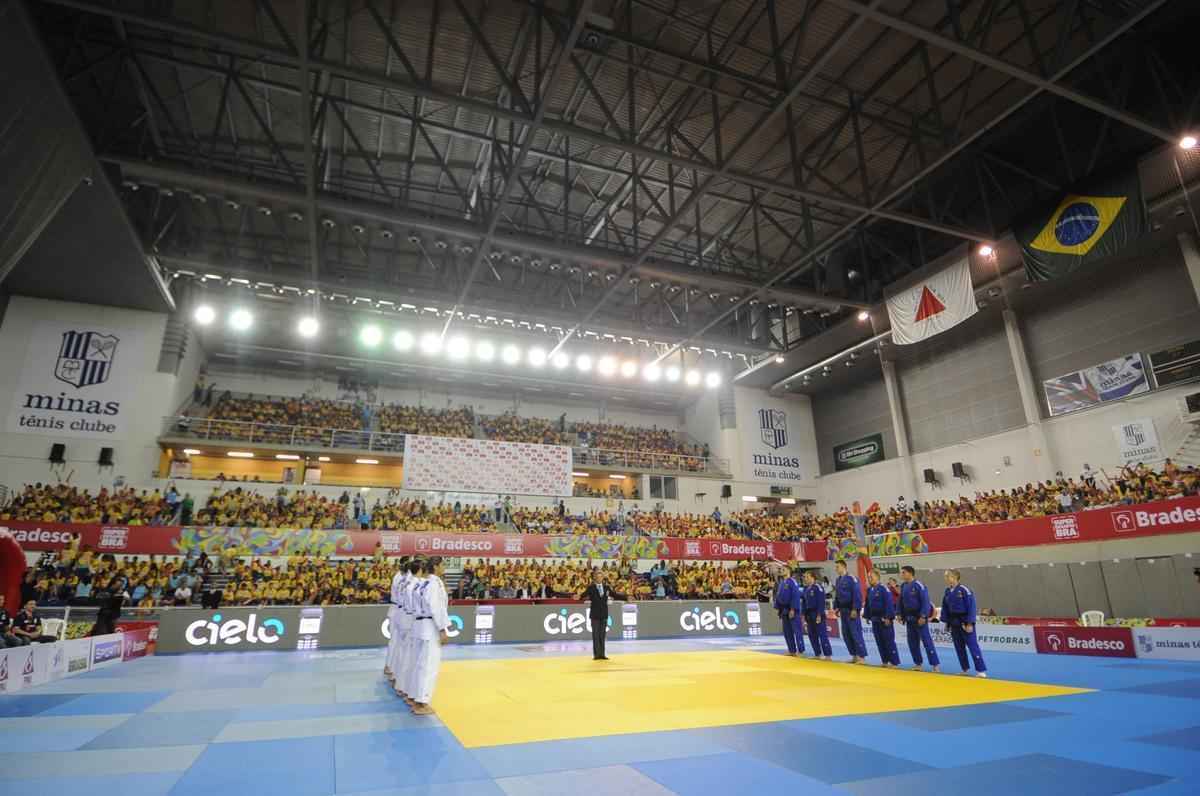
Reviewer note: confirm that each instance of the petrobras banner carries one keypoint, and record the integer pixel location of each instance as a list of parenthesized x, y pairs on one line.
[(1000, 638), (1109, 381), (449, 464), (777, 441), (79, 380), (1167, 643), (1137, 441)]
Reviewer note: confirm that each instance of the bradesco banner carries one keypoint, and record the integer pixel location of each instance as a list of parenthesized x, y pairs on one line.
[(136, 644), (1000, 638), (1094, 525), (173, 540), (1105, 642), (1167, 643)]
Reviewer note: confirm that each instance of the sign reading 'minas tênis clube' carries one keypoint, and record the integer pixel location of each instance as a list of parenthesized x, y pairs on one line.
[(865, 450)]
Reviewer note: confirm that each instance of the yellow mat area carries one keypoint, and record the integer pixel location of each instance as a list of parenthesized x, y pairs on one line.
[(522, 700)]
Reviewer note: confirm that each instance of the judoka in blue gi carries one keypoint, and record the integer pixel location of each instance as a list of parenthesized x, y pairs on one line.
[(813, 602), (880, 611), (847, 601), (791, 611), (915, 610), (958, 612)]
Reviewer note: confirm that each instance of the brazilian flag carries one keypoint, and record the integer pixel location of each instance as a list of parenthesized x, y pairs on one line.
[(1096, 222)]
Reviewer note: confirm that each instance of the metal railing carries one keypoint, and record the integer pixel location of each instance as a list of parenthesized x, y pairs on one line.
[(213, 430)]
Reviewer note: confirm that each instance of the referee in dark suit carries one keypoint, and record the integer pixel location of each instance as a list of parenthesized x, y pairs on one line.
[(598, 596)]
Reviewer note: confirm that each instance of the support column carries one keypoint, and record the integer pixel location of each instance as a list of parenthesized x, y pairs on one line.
[(1191, 258), (1042, 455), (899, 428)]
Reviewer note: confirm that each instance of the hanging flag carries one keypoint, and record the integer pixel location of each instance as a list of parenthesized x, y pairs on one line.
[(940, 302), (1097, 221)]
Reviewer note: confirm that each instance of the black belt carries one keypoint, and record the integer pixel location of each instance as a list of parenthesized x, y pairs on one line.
[(419, 618)]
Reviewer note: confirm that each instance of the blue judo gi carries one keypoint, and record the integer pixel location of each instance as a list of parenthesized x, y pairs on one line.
[(788, 599), (915, 605), (880, 611), (847, 599), (813, 600), (958, 609)]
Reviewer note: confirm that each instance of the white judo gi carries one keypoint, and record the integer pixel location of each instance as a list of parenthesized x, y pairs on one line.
[(434, 617), (398, 581), (406, 616)]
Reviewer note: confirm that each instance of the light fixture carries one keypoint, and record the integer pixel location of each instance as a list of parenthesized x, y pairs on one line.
[(693, 378), (322, 458), (712, 380), (204, 315), (560, 360), (607, 366), (241, 320), (629, 368), (583, 362), (403, 340), (788, 501), (240, 454), (672, 374), (308, 327), (779, 359), (431, 343), (485, 351), (863, 315), (537, 356), (511, 355), (617, 477), (1187, 142), (370, 335), (986, 250), (652, 372), (458, 348), (366, 461), (749, 499), (191, 452), (582, 475), (288, 457)]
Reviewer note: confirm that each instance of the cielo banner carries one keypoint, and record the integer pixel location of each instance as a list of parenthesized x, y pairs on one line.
[(1105, 642), (450, 464), (1167, 643), (858, 453)]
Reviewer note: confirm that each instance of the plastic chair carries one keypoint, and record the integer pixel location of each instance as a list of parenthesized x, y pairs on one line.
[(54, 627), (1092, 618)]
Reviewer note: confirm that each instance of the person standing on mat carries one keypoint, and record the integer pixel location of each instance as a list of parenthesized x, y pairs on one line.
[(847, 601), (405, 661), (813, 602), (958, 612), (915, 610), (791, 610), (880, 610), (598, 595), (431, 628), (398, 582)]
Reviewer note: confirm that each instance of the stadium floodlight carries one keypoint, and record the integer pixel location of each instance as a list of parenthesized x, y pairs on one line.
[(537, 356), (458, 348), (779, 359), (1187, 142), (672, 373), (204, 315), (629, 368), (240, 454), (403, 340), (288, 457), (511, 355), (308, 327), (692, 378), (713, 379), (240, 320), (370, 335), (652, 372), (560, 360), (366, 461), (607, 366), (485, 351), (431, 343), (191, 452), (986, 250), (583, 362), (864, 316)]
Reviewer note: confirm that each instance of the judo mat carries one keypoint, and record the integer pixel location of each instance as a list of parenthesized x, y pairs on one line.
[(319, 723)]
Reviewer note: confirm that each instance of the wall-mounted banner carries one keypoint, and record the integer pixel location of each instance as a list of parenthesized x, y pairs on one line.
[(448, 464), (1176, 365), (78, 381), (1168, 643), (930, 307), (860, 452), (1109, 381), (1137, 441), (777, 442)]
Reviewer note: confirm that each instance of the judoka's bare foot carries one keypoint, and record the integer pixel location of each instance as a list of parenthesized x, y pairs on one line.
[(419, 709)]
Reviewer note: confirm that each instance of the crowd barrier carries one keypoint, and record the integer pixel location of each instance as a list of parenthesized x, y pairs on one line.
[(36, 664)]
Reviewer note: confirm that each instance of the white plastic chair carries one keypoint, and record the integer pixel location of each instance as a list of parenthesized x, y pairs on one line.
[(1092, 618), (54, 627)]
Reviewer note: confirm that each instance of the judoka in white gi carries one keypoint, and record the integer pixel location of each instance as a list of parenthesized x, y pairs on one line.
[(429, 634), (406, 617), (399, 580)]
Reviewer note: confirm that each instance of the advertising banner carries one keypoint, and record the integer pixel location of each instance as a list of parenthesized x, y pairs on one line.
[(171, 540), (1137, 441), (1167, 643), (1108, 381), (858, 453), (1001, 638), (78, 656), (442, 464), (1181, 515), (107, 650), (231, 629), (776, 439), (1105, 642), (136, 644), (78, 381)]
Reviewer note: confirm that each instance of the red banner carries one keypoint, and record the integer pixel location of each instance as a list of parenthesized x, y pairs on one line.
[(1095, 525), (1105, 642), (137, 644), (173, 540)]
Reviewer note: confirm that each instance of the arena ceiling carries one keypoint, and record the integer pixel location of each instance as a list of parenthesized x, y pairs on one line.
[(737, 176)]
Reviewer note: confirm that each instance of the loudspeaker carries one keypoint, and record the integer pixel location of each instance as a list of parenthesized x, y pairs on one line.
[(58, 452), (106, 459), (930, 476), (957, 469), (726, 490)]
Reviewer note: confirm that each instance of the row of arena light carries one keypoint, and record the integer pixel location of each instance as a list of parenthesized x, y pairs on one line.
[(459, 349)]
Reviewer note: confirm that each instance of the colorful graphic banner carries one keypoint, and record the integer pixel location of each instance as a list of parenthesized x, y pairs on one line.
[(1109, 381), (860, 452), (173, 540), (449, 464)]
